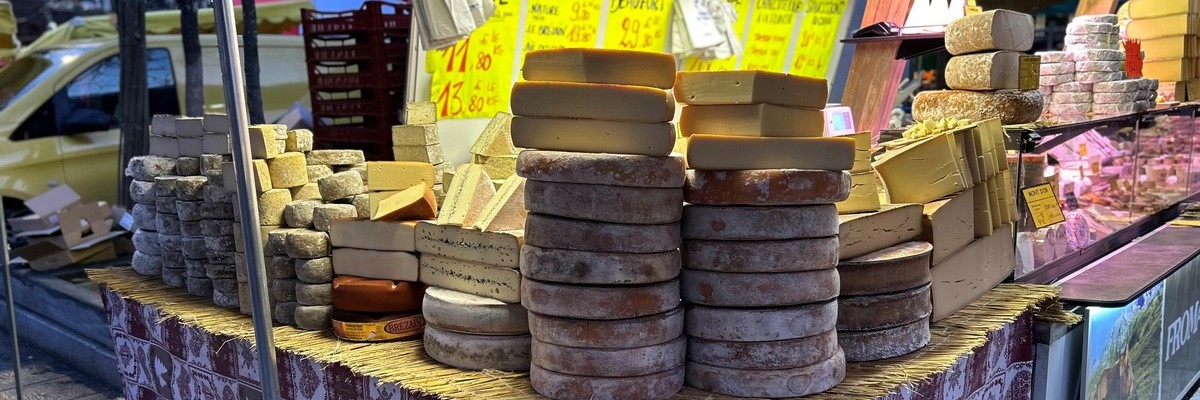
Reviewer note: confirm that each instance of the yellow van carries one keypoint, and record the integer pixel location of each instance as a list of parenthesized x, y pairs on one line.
[(58, 107)]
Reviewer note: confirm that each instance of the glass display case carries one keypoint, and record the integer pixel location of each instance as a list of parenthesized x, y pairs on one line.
[(1116, 177)]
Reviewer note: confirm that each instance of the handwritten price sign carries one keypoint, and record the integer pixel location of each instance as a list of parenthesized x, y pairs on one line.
[(638, 25), (694, 63), (818, 34), (555, 24), (770, 33), (472, 79)]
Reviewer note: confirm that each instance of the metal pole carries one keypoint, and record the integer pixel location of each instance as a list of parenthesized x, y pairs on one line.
[(12, 304), (235, 104)]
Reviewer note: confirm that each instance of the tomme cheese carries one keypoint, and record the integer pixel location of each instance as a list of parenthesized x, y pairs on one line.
[(492, 248), (991, 30), (634, 361), (712, 152), (759, 223), (764, 355), (760, 255), (362, 233), (616, 204), (881, 311), (765, 120), (722, 289), (398, 175), (924, 171), (962, 278), (558, 385), (467, 196), (477, 352), (506, 211), (760, 324), (599, 302), (500, 283), (592, 101), (863, 233), (600, 66), (394, 265), (620, 333), (993, 71), (594, 136), (769, 383), (586, 267), (601, 169), (766, 187), (905, 265), (1011, 106), (949, 224), (861, 346), (467, 313), (572, 234), (746, 87)]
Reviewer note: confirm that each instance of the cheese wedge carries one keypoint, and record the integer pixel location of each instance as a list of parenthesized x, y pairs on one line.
[(506, 211), (600, 66), (863, 233), (713, 152), (362, 233), (746, 87), (594, 136), (864, 195), (415, 135), (983, 211), (471, 191), (766, 120), (973, 271), (398, 175), (592, 101), (414, 203), (949, 225), (496, 139), (498, 167), (923, 171)]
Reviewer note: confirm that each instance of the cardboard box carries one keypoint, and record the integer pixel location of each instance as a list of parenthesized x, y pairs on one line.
[(44, 255)]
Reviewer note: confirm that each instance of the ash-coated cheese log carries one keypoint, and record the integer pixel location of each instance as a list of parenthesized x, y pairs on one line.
[(721, 289), (906, 265), (991, 30), (616, 333), (634, 361), (393, 265), (594, 268), (554, 385), (862, 346), (772, 187), (603, 203), (500, 283), (592, 101), (201, 287), (733, 153), (751, 87), (755, 120), (756, 256), (335, 157), (594, 136), (1011, 106), (477, 352), (993, 71), (146, 168), (467, 313), (779, 354), (572, 234), (618, 67), (352, 293), (599, 302), (145, 216), (882, 311), (601, 169), (759, 223), (760, 324), (502, 249), (773, 383)]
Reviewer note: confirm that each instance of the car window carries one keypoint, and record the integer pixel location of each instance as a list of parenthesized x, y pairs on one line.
[(90, 101)]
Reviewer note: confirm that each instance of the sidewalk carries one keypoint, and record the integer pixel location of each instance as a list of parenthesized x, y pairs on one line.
[(45, 378)]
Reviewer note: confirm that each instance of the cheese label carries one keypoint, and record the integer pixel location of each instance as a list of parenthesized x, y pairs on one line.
[(396, 327), (1030, 72), (1043, 205)]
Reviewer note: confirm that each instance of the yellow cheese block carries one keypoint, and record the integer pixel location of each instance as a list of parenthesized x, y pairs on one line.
[(498, 167), (987, 129), (923, 171), (592, 101), (594, 136), (1142, 9), (496, 139), (862, 152), (506, 211), (994, 203), (949, 224), (996, 131), (764, 120), (1167, 25), (415, 135), (471, 190), (1011, 189), (746, 87), (415, 203), (863, 233), (1171, 47), (1171, 70), (961, 139), (398, 175), (983, 211), (973, 153), (973, 271), (420, 113), (431, 154), (864, 194), (590, 65), (713, 152)]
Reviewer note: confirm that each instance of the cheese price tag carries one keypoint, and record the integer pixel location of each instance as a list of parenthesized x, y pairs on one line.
[(638, 25), (473, 78), (555, 24), (818, 34), (771, 27), (1043, 205), (695, 63)]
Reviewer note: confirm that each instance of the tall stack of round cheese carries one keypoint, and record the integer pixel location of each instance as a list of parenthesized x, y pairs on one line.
[(472, 332), (601, 254), (884, 307), (219, 227), (760, 242), (148, 257)]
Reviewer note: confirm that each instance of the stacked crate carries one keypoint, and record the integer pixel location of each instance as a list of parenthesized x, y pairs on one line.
[(357, 66)]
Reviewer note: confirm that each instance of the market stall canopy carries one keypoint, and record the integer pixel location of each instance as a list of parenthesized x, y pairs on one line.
[(273, 18)]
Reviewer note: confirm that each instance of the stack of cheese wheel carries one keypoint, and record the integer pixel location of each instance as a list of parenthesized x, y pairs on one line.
[(601, 251), (760, 234), (884, 307), (218, 225), (376, 293), (474, 332)]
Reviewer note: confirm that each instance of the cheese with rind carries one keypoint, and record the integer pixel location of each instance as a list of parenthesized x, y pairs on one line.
[(414, 203), (615, 204), (721, 289), (616, 333), (864, 194), (949, 224), (398, 175), (491, 248), (496, 139), (467, 196), (592, 101), (506, 211), (759, 223), (572, 234), (599, 302), (991, 30), (595, 268), (394, 265), (976, 269), (564, 386), (467, 313), (361, 233), (760, 255), (882, 311), (924, 171), (893, 224), (993, 71), (747, 87), (600, 66), (594, 136), (778, 354), (415, 135), (601, 169), (288, 170), (774, 187), (1011, 106), (755, 120), (713, 152), (500, 283), (477, 352), (760, 324), (773, 383), (905, 265), (863, 346), (633, 361)]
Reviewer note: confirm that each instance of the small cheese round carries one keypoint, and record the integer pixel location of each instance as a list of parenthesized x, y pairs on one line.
[(564, 386), (857, 313), (142, 192), (608, 334), (145, 216), (146, 168), (467, 313), (200, 287), (299, 213), (220, 271), (721, 289), (190, 228), (316, 270), (610, 362), (167, 223), (770, 187), (601, 169), (759, 223), (282, 289), (193, 247), (225, 285), (174, 277), (220, 243), (760, 324), (773, 383), (586, 267), (861, 346), (146, 242), (604, 203), (190, 188), (313, 318), (216, 227), (173, 259), (284, 312), (599, 302), (226, 299), (777, 354), (164, 186), (306, 244), (900, 267), (573, 234), (166, 204), (760, 256), (319, 294), (477, 352)]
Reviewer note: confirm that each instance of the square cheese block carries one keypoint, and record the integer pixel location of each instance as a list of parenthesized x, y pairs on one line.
[(217, 143), (594, 136), (261, 176), (496, 139), (864, 194), (484, 280), (420, 113), (189, 126), (498, 167), (362, 233), (162, 125), (431, 154), (374, 264), (467, 196), (748, 87), (415, 135), (994, 71), (164, 146), (923, 171), (398, 175), (862, 152), (949, 224), (590, 65), (973, 271), (990, 30), (714, 152), (191, 146), (983, 211), (863, 233), (414, 203), (592, 101), (764, 120), (300, 140), (288, 170), (262, 142)]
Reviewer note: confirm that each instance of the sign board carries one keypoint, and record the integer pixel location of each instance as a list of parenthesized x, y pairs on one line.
[(1043, 205)]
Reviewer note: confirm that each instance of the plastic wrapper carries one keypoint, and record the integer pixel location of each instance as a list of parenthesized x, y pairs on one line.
[(1100, 66)]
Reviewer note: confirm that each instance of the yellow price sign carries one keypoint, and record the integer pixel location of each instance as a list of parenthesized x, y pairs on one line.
[(818, 34), (770, 34), (554, 24), (473, 78), (1043, 205), (695, 64), (638, 25)]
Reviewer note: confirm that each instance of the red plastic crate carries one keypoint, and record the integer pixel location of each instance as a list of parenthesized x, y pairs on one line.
[(374, 15), (351, 76), (353, 48)]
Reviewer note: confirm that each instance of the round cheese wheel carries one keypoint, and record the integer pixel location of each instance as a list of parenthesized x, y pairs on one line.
[(722, 289), (766, 187), (863, 346), (760, 255), (146, 242), (314, 318), (760, 324), (610, 362), (599, 302), (554, 385), (873, 312), (226, 299), (900, 267), (586, 267), (776, 354), (607, 334), (467, 313), (477, 352), (200, 287), (146, 264), (604, 203), (574, 234), (174, 277), (352, 293), (284, 312), (759, 223), (313, 294), (773, 383), (601, 169)]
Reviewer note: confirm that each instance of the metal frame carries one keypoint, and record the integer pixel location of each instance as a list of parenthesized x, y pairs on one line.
[(12, 304)]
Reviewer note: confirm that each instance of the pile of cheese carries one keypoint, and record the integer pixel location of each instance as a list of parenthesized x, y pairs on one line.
[(1083, 78), (418, 141), (1167, 31), (989, 73), (760, 234)]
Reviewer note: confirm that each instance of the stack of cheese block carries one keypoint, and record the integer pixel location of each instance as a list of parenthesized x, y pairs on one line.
[(216, 223), (602, 235), (864, 186), (1057, 83), (417, 140), (990, 75), (1167, 31), (1124, 96), (151, 248), (760, 234), (494, 149)]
